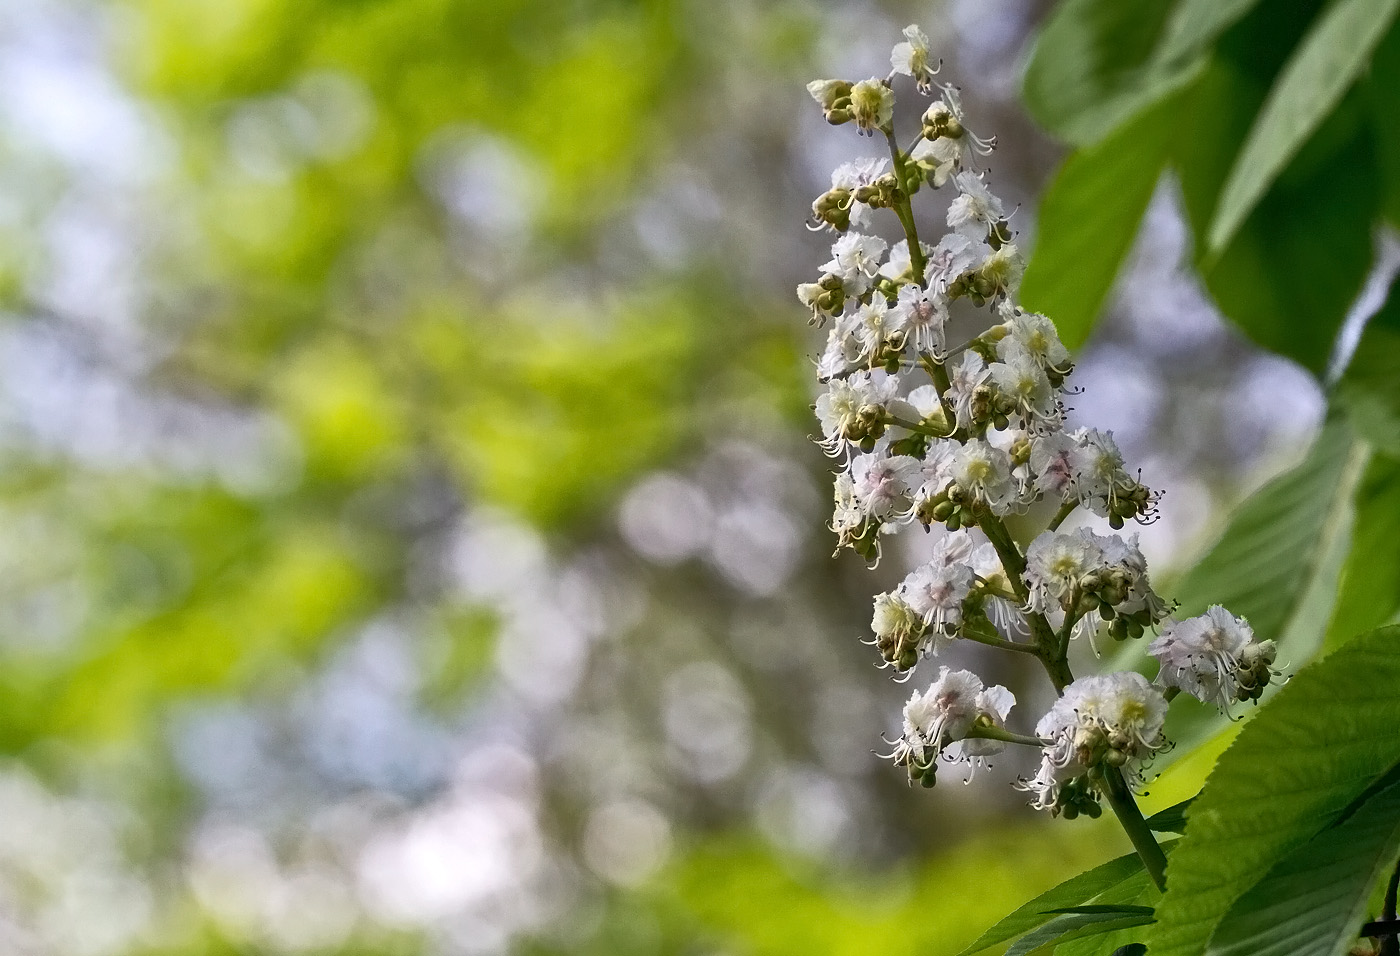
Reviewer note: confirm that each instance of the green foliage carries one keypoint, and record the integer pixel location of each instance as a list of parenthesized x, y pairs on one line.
[(1272, 557), (1328, 61), (1370, 386), (1172, 819), (1369, 390), (1089, 218), (1075, 926), (735, 888), (1312, 901), (1368, 593), (1384, 118), (1083, 888), (1195, 24), (1322, 740), (1285, 213), (1312, 221), (1135, 894), (1091, 67)]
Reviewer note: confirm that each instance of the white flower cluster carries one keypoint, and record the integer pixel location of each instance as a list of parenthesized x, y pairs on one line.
[(980, 437), (1214, 658), (1113, 719), (1092, 578), (942, 718)]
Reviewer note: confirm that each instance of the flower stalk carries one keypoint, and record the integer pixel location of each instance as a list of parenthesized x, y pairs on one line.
[(1120, 798)]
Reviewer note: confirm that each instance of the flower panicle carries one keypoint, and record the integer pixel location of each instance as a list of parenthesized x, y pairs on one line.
[(956, 438)]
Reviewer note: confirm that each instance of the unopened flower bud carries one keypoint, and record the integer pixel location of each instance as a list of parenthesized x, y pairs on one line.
[(940, 121), (833, 207), (834, 97)]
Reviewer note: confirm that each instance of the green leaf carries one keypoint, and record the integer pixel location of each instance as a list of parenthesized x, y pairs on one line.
[(1385, 119), (1089, 68), (1123, 909), (1172, 819), (1194, 24), (1312, 222), (1081, 889), (1370, 386), (1089, 217), (1313, 901), (1369, 389), (1311, 751), (1369, 593), (1075, 926), (1137, 889), (1330, 58), (1273, 547), (1313, 226)]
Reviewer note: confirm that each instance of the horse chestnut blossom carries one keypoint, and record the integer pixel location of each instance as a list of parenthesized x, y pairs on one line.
[(952, 717), (911, 58), (1110, 720), (1214, 658), (954, 439), (841, 207), (946, 145)]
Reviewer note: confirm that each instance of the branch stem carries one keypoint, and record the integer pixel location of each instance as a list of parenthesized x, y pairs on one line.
[(938, 372), (905, 210), (1120, 798), (1065, 511), (914, 426), (1014, 563), (999, 733), (970, 635)]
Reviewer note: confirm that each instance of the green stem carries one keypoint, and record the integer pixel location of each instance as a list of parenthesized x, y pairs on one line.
[(905, 211), (914, 426), (1065, 511), (848, 372), (938, 372), (1066, 630), (971, 635), (1120, 798), (1011, 559), (998, 733), (1014, 563)]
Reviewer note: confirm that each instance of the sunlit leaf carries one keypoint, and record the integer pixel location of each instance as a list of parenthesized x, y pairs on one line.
[(1075, 926), (1089, 217), (1137, 891), (1313, 901), (1080, 889), (1088, 69), (1172, 819), (1310, 752), (1320, 71)]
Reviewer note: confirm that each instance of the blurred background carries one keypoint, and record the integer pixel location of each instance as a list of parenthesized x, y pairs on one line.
[(412, 541)]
